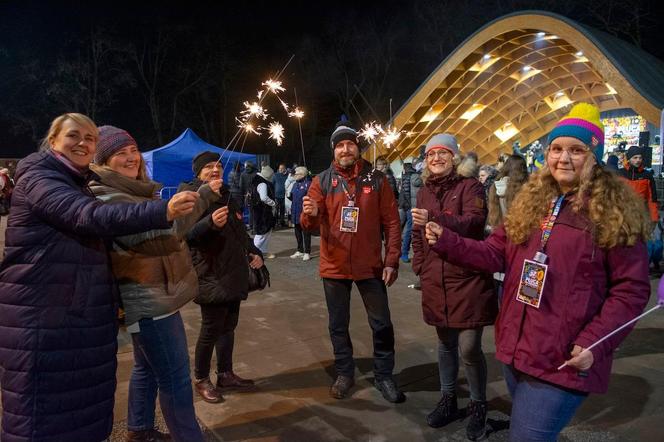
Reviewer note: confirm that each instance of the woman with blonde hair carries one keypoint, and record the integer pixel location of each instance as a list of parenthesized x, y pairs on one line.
[(574, 256), (58, 305)]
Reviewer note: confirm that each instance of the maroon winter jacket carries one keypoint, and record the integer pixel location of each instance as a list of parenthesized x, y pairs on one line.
[(589, 292), (453, 296)]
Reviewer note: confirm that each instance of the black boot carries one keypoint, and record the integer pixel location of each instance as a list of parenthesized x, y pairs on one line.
[(476, 427), (445, 412), (389, 390), (341, 386)]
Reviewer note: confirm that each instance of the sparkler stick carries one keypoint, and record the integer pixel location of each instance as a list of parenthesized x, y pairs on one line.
[(297, 113), (660, 304)]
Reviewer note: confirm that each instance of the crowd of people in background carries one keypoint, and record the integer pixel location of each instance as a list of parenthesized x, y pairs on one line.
[(492, 244)]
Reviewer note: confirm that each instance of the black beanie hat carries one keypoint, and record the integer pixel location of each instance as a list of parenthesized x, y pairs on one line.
[(202, 159), (634, 150), (343, 131)]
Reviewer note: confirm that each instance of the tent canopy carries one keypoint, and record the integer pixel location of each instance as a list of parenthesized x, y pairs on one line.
[(171, 164)]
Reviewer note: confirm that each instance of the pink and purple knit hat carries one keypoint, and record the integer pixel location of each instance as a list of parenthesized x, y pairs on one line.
[(582, 123), (111, 139)]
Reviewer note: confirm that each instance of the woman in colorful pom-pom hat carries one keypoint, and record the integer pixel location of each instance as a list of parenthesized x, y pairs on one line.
[(573, 251)]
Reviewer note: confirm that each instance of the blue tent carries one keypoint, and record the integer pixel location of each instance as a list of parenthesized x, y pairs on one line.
[(171, 164)]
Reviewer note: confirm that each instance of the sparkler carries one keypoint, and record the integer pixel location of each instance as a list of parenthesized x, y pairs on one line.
[(284, 105), (273, 86), (390, 136), (276, 132), (253, 109), (248, 127), (370, 131), (296, 113)]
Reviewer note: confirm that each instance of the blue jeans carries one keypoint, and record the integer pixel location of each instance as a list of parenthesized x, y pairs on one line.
[(540, 410), (161, 363), (407, 229)]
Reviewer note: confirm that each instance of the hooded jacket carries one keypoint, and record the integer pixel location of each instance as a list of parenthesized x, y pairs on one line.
[(58, 304), (358, 255), (153, 269), (589, 292)]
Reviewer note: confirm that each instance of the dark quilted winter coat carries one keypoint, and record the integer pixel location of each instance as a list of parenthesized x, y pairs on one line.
[(58, 304)]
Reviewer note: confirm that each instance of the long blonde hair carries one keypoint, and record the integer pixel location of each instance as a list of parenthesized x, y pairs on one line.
[(617, 214)]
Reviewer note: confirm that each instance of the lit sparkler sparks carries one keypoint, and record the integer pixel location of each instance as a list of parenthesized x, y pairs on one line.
[(273, 86), (253, 109), (276, 132), (390, 136), (284, 104), (371, 131), (249, 128), (296, 113)]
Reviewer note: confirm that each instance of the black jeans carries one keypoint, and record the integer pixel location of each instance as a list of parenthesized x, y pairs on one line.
[(303, 239), (281, 211), (218, 325), (374, 296)]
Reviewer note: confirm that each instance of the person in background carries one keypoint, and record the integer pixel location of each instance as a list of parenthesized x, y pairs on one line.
[(512, 176), (235, 186), (290, 181), (220, 249), (246, 186), (352, 204), (383, 166), (574, 256), (642, 181), (468, 166), (458, 302), (298, 192), (262, 204), (486, 176), (410, 185), (279, 181), (58, 298), (6, 188), (156, 278), (612, 162)]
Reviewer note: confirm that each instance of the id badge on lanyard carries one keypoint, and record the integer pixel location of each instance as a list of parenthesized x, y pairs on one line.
[(531, 284), (350, 215), (533, 274)]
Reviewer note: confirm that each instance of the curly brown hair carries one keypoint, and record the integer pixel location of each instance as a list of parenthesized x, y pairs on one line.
[(516, 169), (617, 213)]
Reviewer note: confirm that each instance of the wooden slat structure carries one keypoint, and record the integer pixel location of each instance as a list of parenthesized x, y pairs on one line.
[(517, 76)]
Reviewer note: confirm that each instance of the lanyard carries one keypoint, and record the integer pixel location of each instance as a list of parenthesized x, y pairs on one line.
[(351, 198), (547, 226)]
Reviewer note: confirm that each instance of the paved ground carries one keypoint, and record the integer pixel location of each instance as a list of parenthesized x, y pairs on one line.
[(282, 343)]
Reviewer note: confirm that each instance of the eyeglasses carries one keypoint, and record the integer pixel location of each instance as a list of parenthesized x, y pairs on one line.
[(438, 153), (574, 152)]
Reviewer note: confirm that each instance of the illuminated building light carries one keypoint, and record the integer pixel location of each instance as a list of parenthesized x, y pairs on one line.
[(558, 101), (474, 111), (507, 131), (432, 113)]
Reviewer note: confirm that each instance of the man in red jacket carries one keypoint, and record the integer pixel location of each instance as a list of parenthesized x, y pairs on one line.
[(641, 180), (352, 204)]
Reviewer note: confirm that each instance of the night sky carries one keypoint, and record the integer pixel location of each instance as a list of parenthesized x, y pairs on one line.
[(214, 57)]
